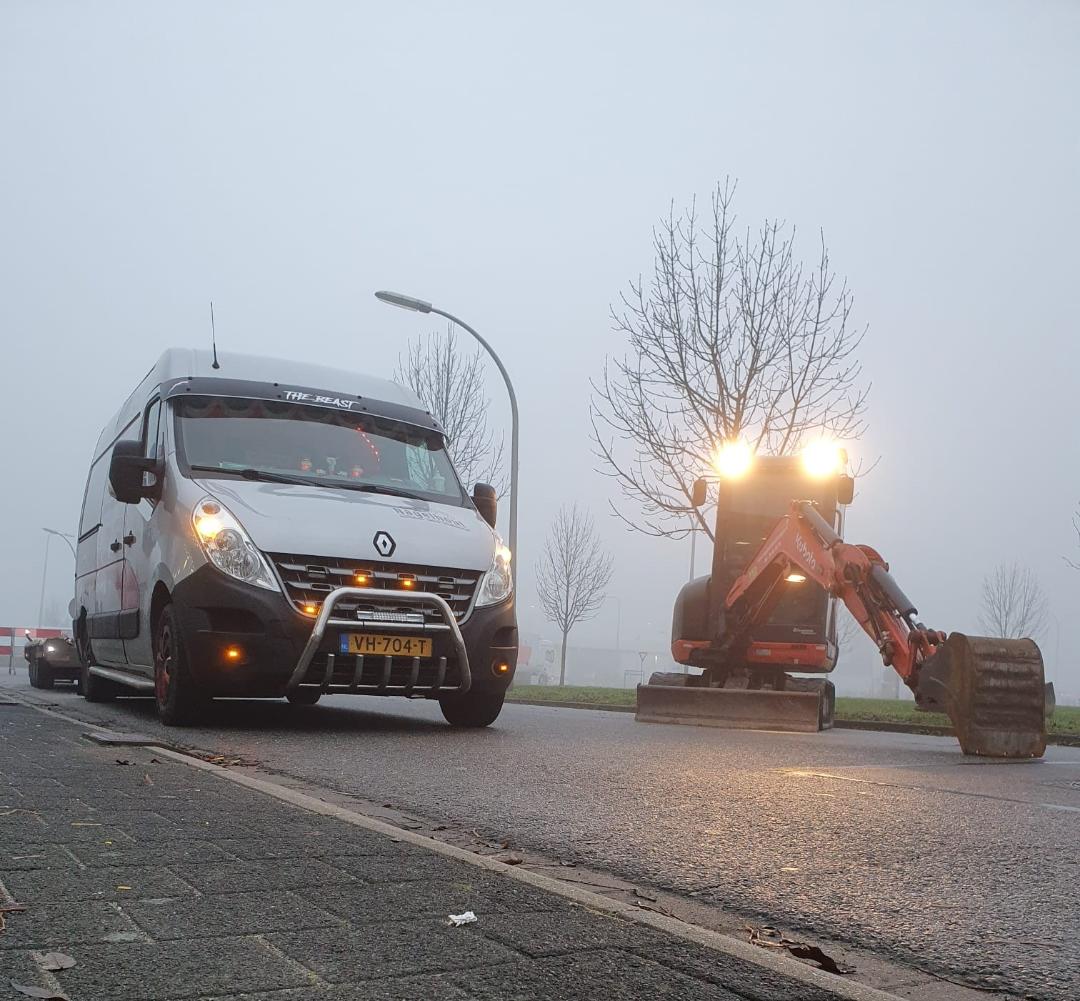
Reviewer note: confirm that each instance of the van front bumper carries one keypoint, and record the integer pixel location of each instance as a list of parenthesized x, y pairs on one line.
[(248, 641)]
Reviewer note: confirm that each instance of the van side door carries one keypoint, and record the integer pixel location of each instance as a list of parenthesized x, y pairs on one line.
[(87, 563), (105, 619), (140, 537)]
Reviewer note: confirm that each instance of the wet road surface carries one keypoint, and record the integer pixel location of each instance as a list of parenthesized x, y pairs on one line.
[(891, 842)]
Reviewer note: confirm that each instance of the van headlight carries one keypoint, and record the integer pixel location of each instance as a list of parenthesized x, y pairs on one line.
[(228, 546), (497, 585)]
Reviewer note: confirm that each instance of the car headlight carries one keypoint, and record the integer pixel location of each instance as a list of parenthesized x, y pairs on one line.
[(498, 584), (229, 547)]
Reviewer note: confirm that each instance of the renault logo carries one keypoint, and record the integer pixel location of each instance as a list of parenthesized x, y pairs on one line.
[(384, 544)]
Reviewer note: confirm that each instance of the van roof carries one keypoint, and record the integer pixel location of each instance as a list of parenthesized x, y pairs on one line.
[(184, 363), (180, 363)]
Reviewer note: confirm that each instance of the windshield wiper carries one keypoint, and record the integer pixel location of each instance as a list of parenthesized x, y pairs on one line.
[(264, 475), (374, 488), (269, 477)]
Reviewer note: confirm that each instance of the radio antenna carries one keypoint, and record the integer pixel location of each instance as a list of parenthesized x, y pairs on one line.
[(213, 335)]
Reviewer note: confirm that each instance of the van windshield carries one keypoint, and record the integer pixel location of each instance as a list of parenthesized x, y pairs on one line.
[(292, 442)]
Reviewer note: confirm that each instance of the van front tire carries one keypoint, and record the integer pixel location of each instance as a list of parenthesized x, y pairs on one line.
[(304, 696), (91, 687), (473, 710), (179, 703)]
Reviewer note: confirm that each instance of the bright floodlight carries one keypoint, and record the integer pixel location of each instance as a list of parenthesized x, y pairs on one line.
[(404, 301), (823, 458), (733, 459)]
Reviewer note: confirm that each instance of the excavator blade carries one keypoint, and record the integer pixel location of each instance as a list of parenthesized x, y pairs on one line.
[(668, 699), (993, 691)]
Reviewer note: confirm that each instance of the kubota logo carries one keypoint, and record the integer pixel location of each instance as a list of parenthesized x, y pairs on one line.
[(804, 552)]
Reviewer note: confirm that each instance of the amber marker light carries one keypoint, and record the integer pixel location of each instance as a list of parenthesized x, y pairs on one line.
[(233, 654), (408, 583), (361, 579), (311, 609)]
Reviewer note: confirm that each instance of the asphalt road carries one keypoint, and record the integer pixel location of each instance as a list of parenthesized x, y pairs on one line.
[(892, 842)]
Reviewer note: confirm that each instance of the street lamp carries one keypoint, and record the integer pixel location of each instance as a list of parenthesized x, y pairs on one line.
[(420, 306), (49, 533)]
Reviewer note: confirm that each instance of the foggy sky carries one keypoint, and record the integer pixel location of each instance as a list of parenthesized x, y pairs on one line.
[(508, 164)]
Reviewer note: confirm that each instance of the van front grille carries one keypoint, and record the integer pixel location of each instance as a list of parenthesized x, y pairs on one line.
[(309, 579)]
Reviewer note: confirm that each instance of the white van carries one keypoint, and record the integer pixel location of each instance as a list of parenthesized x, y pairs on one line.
[(270, 528)]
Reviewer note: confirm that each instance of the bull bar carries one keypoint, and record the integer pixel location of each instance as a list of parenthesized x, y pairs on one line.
[(448, 624)]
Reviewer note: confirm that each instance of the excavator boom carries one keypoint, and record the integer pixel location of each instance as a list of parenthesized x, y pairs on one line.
[(991, 689)]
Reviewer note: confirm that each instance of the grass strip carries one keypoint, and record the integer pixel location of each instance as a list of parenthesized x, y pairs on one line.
[(1065, 721)]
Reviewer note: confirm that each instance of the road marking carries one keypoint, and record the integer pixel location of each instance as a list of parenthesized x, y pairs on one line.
[(798, 773)]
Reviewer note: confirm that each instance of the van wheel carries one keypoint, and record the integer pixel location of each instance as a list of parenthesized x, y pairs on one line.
[(178, 701), (32, 673), (472, 710), (304, 696), (91, 687)]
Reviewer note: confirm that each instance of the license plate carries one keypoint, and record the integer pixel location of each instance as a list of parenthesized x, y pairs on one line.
[(380, 644)]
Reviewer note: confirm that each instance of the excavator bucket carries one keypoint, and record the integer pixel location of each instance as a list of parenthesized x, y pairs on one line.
[(668, 698), (993, 691)]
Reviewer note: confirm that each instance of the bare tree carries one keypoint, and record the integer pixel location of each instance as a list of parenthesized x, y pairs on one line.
[(1076, 526), (574, 570), (450, 383), (1013, 602), (732, 337)]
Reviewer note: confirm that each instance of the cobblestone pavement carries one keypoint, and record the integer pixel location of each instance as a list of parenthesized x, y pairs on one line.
[(162, 881)]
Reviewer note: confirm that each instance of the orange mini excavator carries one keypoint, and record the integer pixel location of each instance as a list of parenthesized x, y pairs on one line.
[(780, 566)]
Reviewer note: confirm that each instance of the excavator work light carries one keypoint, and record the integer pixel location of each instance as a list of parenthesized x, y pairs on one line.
[(823, 458), (733, 459)]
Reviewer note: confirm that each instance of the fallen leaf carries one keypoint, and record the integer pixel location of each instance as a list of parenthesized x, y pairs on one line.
[(512, 859), (122, 761), (53, 961), (147, 780), (46, 993), (643, 895), (86, 823), (154, 761), (123, 887), (457, 920)]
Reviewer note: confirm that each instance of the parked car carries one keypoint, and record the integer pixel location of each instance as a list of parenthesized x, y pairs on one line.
[(51, 660)]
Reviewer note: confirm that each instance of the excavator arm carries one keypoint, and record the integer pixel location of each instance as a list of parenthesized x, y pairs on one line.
[(992, 689), (805, 544)]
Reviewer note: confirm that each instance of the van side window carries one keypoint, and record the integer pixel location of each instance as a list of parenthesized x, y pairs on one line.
[(95, 492), (152, 430)]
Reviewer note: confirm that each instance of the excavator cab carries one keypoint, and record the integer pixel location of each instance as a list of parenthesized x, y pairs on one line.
[(800, 632)]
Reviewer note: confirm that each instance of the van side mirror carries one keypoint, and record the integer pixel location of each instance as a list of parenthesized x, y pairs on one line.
[(486, 501), (699, 492), (126, 468)]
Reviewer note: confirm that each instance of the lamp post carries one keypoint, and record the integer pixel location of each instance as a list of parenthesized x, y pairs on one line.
[(49, 533), (420, 306)]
